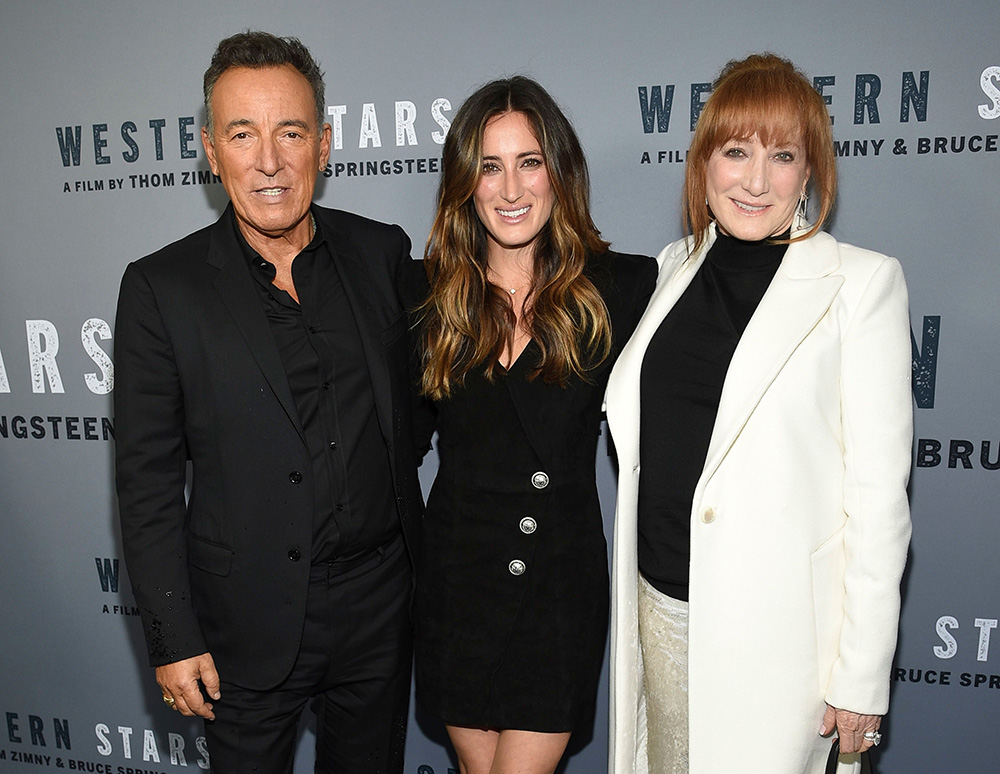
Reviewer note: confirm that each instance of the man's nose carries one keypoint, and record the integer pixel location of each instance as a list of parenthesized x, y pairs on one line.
[(269, 158)]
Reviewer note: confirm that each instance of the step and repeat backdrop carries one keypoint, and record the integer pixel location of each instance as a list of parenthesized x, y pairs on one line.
[(100, 104)]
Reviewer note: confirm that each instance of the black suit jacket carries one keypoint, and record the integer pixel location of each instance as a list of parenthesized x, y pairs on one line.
[(199, 378)]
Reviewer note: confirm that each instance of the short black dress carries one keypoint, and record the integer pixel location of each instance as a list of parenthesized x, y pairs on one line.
[(512, 590)]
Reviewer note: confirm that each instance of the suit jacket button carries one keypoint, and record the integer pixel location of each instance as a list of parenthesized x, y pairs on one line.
[(528, 525), (294, 555), (517, 567), (708, 515), (540, 480), (295, 477)]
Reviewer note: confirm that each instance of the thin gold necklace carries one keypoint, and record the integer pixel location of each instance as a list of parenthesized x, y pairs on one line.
[(508, 288)]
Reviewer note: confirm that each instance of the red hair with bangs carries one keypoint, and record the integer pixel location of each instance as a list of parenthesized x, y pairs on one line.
[(767, 96)]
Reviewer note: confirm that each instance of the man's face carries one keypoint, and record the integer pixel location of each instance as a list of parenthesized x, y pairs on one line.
[(267, 148)]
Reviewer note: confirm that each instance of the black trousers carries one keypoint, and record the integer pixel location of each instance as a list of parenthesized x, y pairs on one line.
[(354, 659)]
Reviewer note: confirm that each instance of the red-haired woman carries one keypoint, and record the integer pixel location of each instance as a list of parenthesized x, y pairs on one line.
[(762, 418)]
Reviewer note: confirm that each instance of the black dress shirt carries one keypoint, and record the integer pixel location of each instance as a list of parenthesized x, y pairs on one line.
[(323, 357), (682, 376)]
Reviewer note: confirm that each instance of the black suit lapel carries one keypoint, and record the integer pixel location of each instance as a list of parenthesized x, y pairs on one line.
[(235, 286), (536, 403), (357, 285)]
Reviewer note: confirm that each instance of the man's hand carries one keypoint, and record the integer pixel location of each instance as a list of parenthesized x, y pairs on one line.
[(180, 681), (851, 728)]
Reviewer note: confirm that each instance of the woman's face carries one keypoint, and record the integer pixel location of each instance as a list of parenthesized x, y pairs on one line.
[(514, 197), (753, 190)]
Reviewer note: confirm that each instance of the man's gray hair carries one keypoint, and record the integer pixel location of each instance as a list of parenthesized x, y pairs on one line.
[(257, 50)]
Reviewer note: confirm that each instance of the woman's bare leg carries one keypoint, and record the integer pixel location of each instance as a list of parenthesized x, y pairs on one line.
[(482, 751)]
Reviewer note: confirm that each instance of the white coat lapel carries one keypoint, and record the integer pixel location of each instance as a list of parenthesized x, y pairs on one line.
[(622, 395), (798, 297)]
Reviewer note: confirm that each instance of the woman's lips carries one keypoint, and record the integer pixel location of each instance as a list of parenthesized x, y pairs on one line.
[(513, 214), (750, 209)]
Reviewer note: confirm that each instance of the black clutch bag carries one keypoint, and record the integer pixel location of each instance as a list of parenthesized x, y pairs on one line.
[(831, 761)]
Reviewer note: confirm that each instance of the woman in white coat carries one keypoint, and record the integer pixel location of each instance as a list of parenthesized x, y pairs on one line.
[(762, 418)]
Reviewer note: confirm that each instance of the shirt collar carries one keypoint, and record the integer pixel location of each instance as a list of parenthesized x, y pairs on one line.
[(255, 260)]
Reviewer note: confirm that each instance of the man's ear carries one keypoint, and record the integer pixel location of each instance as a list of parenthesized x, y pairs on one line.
[(325, 139), (209, 146)]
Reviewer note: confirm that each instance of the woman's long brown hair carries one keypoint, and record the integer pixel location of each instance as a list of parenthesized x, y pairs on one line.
[(468, 322)]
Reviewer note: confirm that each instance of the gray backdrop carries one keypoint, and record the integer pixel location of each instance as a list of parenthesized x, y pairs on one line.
[(100, 107)]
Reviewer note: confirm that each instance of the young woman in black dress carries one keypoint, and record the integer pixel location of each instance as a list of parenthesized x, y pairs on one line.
[(526, 311)]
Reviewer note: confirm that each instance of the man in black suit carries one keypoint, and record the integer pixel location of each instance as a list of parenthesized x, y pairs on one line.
[(270, 350)]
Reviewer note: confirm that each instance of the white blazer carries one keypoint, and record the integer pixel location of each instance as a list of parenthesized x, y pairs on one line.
[(799, 524)]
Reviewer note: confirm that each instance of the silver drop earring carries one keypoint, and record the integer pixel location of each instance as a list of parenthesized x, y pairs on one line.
[(801, 221)]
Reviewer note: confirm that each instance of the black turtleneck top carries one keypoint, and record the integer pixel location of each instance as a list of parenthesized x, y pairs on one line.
[(683, 371)]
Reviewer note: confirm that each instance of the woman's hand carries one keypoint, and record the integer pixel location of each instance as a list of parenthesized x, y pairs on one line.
[(851, 728)]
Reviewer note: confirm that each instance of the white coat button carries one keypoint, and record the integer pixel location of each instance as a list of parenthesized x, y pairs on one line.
[(708, 515), (540, 480), (528, 525), (517, 567)]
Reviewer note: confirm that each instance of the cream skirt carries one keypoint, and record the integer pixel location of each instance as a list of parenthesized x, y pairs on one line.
[(663, 635)]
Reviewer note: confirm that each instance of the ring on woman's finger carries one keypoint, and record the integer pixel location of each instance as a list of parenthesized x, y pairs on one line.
[(872, 736)]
